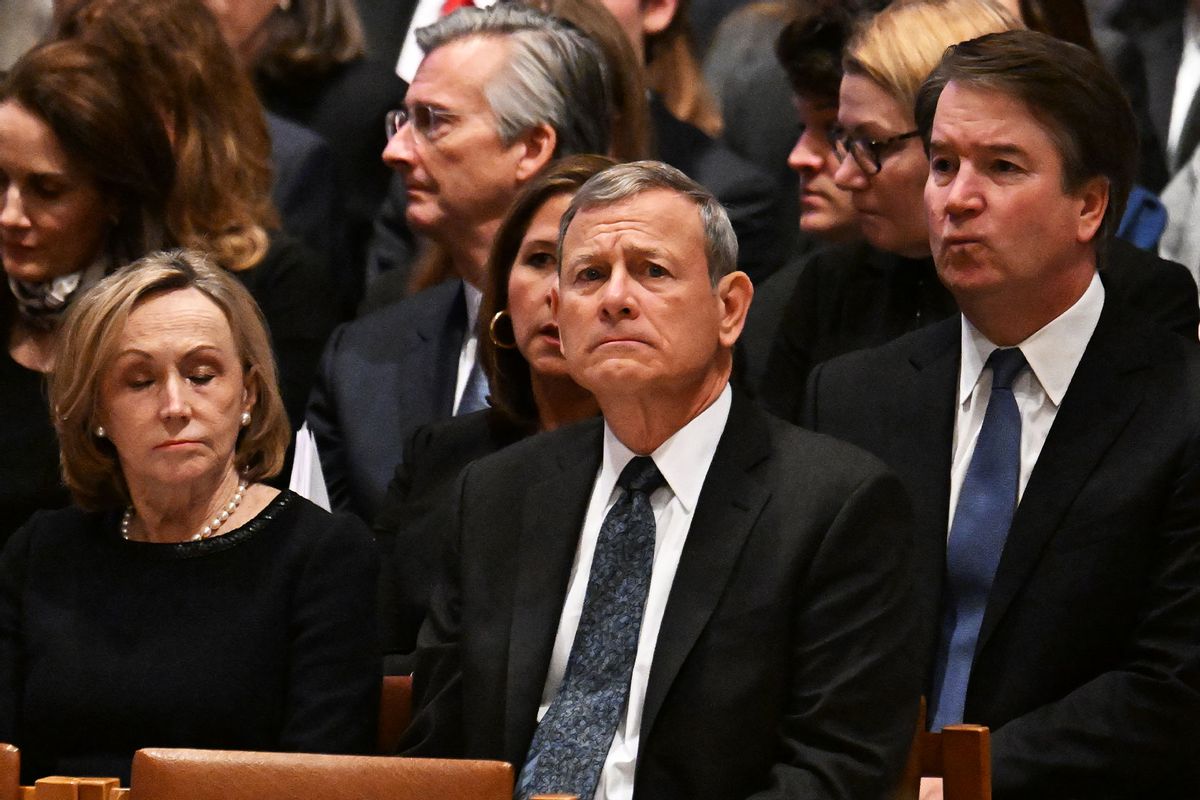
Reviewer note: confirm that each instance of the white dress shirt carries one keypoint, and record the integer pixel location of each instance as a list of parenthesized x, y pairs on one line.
[(1187, 81), (1053, 354), (470, 346), (683, 460)]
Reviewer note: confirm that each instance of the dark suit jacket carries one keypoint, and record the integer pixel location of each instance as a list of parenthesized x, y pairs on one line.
[(785, 662), (853, 296), (346, 107), (306, 190), (381, 377), (1147, 62), (1087, 667), (750, 196)]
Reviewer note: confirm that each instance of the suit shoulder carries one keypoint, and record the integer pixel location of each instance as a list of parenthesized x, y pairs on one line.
[(535, 458), (931, 339), (381, 329), (802, 451), (466, 437)]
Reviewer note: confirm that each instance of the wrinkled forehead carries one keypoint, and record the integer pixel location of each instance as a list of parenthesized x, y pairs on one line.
[(455, 75), (654, 216)]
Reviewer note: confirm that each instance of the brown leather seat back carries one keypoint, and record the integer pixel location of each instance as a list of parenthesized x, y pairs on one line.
[(395, 712), (177, 774)]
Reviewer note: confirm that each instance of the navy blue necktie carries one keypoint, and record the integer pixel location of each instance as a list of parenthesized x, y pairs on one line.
[(474, 397), (573, 738), (986, 503)]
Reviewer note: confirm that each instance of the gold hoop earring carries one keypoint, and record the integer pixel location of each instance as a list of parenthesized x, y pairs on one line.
[(501, 314)]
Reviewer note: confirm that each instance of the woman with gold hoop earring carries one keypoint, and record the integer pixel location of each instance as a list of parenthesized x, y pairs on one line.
[(530, 392)]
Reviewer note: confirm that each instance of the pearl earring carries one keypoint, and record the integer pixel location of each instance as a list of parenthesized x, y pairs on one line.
[(245, 418), (100, 432)]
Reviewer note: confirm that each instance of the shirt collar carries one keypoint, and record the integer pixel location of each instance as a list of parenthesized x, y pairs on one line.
[(683, 459), (1053, 352)]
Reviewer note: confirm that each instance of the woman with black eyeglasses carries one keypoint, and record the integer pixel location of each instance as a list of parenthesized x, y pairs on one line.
[(868, 292)]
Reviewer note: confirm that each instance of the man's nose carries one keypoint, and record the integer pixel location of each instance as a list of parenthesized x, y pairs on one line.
[(400, 150), (617, 298)]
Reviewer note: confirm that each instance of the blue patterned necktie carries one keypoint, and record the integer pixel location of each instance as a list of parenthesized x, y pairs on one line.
[(572, 740), (474, 396), (986, 503)]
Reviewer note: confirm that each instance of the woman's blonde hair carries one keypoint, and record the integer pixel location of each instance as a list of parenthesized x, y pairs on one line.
[(87, 346), (898, 47)]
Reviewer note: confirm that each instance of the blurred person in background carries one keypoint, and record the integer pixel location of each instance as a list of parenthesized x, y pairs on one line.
[(221, 200), (308, 61), (86, 171), (809, 52), (181, 40)]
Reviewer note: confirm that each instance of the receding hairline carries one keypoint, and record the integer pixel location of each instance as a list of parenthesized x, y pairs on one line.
[(690, 198)]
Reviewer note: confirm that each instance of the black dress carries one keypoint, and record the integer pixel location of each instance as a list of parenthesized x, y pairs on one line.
[(29, 476), (846, 298), (261, 639), (414, 514)]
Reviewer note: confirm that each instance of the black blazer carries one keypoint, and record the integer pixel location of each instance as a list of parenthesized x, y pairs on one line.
[(854, 296), (1146, 61), (1087, 667), (413, 517), (786, 661), (381, 377)]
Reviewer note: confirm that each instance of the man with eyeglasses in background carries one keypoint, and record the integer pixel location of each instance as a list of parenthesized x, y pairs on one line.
[(872, 294), (500, 93)]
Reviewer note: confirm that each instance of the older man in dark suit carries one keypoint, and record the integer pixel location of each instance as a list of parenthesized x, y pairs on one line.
[(501, 92), (1054, 434), (687, 598)]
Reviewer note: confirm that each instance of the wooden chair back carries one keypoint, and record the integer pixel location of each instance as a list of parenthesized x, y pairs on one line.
[(10, 772), (961, 755), (172, 774), (57, 787), (395, 712)]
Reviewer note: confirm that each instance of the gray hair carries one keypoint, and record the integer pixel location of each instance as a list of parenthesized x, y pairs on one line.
[(624, 181), (554, 75)]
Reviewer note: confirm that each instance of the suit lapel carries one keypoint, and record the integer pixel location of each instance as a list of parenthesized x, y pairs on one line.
[(1161, 46), (925, 441), (728, 506), (552, 515), (440, 337), (1096, 408)]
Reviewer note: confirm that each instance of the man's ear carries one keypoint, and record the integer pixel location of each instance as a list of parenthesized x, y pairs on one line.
[(537, 150), (1094, 201), (735, 291), (657, 15)]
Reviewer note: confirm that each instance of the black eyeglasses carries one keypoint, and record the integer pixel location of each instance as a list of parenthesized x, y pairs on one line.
[(867, 152), (426, 119)]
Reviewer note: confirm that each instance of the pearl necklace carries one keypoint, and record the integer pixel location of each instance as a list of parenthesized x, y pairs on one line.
[(208, 530)]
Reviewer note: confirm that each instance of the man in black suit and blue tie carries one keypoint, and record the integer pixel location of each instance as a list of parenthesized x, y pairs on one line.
[(687, 598), (1049, 438)]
